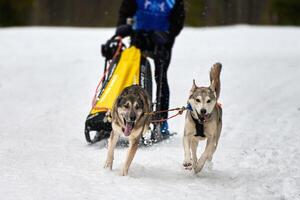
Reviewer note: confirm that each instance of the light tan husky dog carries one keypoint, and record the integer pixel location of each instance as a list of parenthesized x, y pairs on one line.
[(128, 118), (203, 121)]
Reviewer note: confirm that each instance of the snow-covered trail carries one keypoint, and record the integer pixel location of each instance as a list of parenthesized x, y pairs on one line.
[(47, 80)]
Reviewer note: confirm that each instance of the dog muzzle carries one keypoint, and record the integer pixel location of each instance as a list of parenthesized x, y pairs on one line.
[(203, 117), (128, 128)]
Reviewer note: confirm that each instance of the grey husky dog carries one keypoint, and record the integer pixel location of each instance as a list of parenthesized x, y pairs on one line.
[(128, 118), (203, 121)]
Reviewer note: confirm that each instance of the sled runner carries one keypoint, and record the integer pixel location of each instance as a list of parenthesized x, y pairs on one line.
[(123, 67)]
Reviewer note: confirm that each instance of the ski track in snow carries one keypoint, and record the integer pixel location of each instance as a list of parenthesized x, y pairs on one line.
[(47, 80)]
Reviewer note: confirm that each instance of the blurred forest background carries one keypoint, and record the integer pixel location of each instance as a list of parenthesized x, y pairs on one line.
[(96, 13)]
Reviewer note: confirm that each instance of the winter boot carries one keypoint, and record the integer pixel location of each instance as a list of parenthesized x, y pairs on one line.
[(160, 132), (164, 130)]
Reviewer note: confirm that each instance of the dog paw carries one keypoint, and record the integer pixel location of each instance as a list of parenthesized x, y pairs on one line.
[(198, 167), (108, 164), (187, 165), (123, 172)]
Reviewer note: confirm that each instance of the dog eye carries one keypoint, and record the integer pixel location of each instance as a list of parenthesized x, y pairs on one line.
[(208, 101), (126, 106), (198, 100), (137, 107)]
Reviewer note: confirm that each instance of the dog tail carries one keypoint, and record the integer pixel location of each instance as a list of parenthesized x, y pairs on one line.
[(215, 83)]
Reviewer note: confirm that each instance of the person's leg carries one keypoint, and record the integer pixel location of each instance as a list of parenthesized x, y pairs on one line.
[(162, 59)]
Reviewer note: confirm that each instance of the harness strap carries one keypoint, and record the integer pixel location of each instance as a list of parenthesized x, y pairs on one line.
[(162, 120), (189, 107), (180, 111), (199, 127)]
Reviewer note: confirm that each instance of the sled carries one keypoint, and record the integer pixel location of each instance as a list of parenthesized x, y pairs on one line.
[(124, 67)]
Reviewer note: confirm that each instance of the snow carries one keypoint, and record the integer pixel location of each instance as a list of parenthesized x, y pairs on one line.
[(47, 80)]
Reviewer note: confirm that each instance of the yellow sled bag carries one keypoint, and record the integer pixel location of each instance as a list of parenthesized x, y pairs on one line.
[(127, 69)]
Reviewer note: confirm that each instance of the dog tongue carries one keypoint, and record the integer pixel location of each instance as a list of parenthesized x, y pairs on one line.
[(128, 129)]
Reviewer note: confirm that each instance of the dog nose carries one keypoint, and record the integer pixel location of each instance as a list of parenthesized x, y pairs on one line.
[(132, 118), (203, 111)]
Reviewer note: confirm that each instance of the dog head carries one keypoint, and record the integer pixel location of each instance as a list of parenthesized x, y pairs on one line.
[(202, 100), (130, 110)]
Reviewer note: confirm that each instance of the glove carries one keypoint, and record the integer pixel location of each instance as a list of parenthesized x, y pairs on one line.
[(161, 37), (106, 50), (109, 49), (124, 30)]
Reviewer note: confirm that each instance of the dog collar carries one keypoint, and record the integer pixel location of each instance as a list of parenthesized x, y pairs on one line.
[(189, 107)]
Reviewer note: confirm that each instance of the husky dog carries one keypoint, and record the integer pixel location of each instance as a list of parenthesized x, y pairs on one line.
[(203, 121), (128, 118)]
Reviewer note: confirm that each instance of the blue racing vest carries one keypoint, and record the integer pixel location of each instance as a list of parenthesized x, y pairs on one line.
[(153, 15)]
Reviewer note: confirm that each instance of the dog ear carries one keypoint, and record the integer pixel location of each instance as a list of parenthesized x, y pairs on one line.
[(118, 101), (194, 86)]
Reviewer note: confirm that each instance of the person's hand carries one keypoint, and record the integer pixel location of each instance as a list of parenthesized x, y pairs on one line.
[(161, 37), (124, 30), (106, 50)]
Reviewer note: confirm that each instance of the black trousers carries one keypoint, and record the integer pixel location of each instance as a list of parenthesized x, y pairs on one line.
[(161, 55)]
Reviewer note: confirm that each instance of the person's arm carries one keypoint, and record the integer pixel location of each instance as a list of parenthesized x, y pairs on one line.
[(177, 17), (127, 10)]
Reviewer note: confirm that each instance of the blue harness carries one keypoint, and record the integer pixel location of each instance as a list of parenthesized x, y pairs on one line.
[(153, 15)]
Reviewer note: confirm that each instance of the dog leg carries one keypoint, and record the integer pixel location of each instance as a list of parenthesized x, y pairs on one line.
[(218, 137), (187, 164), (215, 142), (207, 154), (209, 164), (133, 146), (194, 147), (214, 148), (112, 141)]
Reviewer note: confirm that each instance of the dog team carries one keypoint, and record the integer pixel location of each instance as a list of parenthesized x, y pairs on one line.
[(203, 121)]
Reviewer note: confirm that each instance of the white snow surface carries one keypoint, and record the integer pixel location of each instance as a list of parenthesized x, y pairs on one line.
[(47, 81)]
